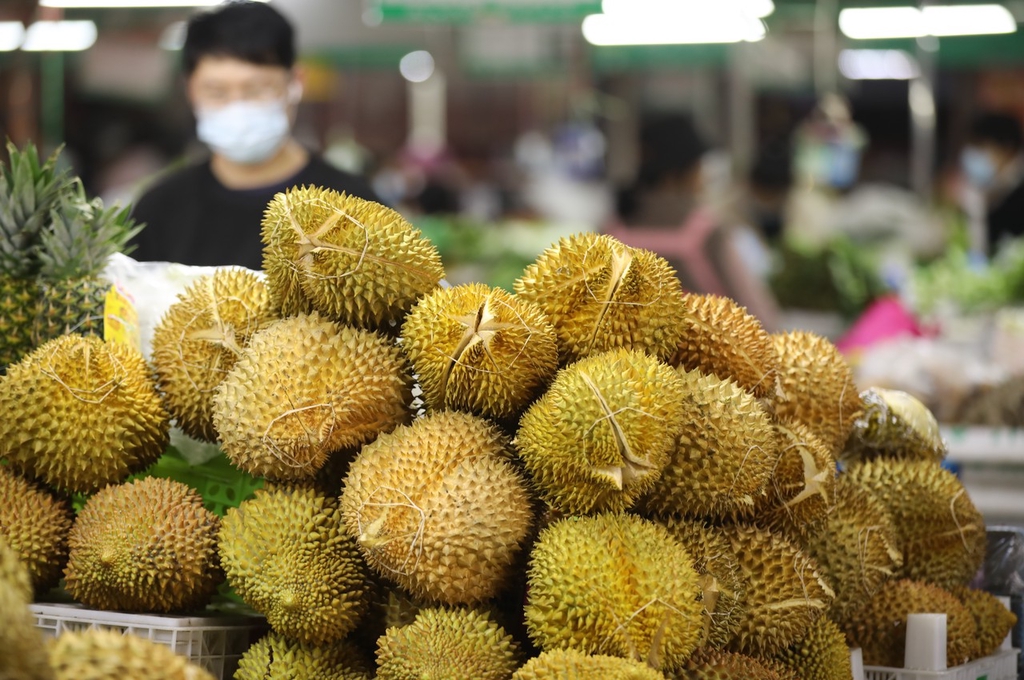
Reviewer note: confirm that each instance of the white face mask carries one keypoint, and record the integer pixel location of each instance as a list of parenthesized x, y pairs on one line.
[(245, 132)]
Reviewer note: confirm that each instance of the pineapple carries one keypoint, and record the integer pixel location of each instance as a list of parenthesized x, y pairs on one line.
[(74, 249), (28, 191)]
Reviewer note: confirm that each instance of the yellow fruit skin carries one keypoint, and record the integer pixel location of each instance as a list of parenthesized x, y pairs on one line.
[(35, 524), (277, 658), (822, 654), (723, 457), (992, 619), (601, 295), (447, 643), (894, 424), (817, 387), (721, 339), (437, 507), (81, 414), (879, 627), (356, 261), (568, 664), (99, 654), (148, 546), (286, 554), (940, 532), (601, 585), (720, 665), (785, 592), (601, 435), (199, 339), (24, 652), (304, 388), (479, 349)]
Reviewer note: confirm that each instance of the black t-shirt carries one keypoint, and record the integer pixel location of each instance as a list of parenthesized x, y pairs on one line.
[(1006, 218), (192, 218)]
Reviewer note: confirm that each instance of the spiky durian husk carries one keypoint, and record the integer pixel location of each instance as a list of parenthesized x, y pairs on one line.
[(857, 549), (720, 338), (24, 652), (601, 585), (275, 657), (822, 654), (601, 435), (723, 590), (479, 349), (601, 294), (35, 524), (940, 532), (70, 306), (81, 414), (148, 545), (894, 424), (568, 664), (879, 627), (786, 592), (720, 665), (286, 554), (199, 339), (723, 457), (304, 388), (817, 387), (992, 619), (354, 260), (99, 654), (447, 643), (437, 507)]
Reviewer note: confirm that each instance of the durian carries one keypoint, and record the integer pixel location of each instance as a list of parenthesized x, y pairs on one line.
[(99, 654), (24, 652), (992, 619), (568, 664), (722, 587), (940, 532), (601, 435), (801, 489), (286, 554), (614, 584), (786, 593), (148, 545), (304, 388), (822, 654), (722, 339), (437, 507), (601, 295), (879, 627), (354, 260), (275, 657), (479, 349), (447, 643), (81, 413), (199, 339), (894, 424), (724, 456), (817, 387), (857, 549), (35, 524), (719, 665)]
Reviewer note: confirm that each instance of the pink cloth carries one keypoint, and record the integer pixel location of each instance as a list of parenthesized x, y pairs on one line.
[(884, 319)]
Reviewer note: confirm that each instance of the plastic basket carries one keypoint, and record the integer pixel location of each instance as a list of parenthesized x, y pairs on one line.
[(221, 485), (215, 643), (999, 666)]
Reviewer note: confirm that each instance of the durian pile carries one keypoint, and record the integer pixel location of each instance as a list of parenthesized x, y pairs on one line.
[(597, 475)]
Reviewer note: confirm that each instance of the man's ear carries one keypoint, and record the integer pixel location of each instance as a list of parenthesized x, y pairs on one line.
[(298, 85)]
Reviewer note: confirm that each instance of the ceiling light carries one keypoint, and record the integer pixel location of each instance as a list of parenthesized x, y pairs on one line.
[(866, 23), (878, 65), (417, 67), (124, 4), (59, 36), (607, 29), (12, 33), (755, 8)]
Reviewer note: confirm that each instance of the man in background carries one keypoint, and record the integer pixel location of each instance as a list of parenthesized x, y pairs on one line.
[(993, 162), (242, 84)]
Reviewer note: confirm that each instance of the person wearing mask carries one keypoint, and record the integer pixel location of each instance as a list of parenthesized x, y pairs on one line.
[(993, 163), (244, 89)]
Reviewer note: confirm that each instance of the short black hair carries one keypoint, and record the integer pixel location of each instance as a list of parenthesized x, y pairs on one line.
[(669, 145), (773, 166), (253, 32), (1000, 129)]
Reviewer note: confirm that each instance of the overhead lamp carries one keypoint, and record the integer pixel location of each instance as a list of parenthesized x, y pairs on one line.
[(755, 8), (866, 23), (126, 4), (59, 36), (417, 66), (12, 34), (878, 65), (658, 22)]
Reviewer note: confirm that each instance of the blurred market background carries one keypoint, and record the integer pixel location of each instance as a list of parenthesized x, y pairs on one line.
[(832, 133)]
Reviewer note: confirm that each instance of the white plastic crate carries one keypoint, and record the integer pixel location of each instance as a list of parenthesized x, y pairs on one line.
[(999, 666), (214, 643)]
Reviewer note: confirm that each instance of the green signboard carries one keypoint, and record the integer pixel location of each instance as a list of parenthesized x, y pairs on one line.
[(474, 11)]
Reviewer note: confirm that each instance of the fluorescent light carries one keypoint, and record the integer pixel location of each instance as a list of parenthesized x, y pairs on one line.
[(12, 33), (755, 8), (650, 23), (417, 67), (878, 65), (80, 4), (865, 23), (59, 36)]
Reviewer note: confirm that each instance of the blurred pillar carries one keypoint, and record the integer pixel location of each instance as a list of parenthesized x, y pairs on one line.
[(826, 47), (921, 95), (52, 99), (428, 114)]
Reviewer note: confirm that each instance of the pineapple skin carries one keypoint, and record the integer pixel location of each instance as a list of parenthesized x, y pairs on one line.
[(18, 300), (69, 306)]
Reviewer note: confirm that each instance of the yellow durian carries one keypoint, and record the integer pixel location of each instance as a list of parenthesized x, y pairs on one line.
[(720, 665), (100, 654), (992, 619), (801, 489), (35, 524), (568, 664), (894, 424), (822, 653), (22, 650), (275, 657)]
